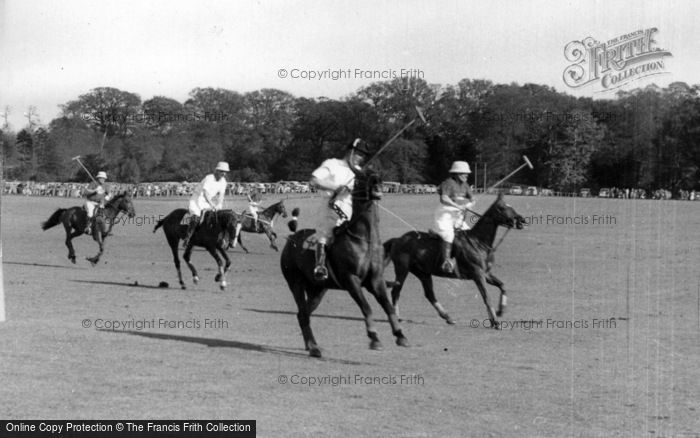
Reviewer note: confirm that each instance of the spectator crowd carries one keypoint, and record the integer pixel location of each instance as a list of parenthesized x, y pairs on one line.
[(176, 189)]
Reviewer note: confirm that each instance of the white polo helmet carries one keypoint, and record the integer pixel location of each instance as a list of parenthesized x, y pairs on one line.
[(101, 174), (460, 167), (222, 166)]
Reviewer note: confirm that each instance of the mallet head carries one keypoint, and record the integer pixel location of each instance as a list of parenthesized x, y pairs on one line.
[(420, 115), (527, 161)]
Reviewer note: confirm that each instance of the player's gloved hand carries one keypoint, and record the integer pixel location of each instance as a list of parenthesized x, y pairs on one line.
[(341, 190)]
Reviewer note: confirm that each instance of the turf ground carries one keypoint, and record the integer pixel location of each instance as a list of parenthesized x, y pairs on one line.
[(601, 338)]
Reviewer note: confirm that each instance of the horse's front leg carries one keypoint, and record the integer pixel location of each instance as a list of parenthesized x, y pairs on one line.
[(271, 235), (377, 287), (220, 275), (100, 241), (227, 268), (186, 256), (492, 280), (237, 237), (479, 279), (355, 289)]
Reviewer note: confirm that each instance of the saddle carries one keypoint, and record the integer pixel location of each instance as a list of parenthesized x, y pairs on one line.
[(310, 242), (433, 235), (205, 218)]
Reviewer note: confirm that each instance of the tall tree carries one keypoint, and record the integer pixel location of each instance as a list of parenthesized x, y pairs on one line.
[(25, 151), (109, 111), (161, 114)]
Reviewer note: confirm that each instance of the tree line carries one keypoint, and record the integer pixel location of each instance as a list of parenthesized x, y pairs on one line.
[(648, 137)]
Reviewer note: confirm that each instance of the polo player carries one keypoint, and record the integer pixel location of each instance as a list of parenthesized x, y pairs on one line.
[(335, 179), (208, 195), (455, 200)]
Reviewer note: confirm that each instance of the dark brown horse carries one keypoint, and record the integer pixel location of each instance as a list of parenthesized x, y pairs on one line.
[(354, 260), (419, 254), (213, 233), (74, 220), (264, 225)]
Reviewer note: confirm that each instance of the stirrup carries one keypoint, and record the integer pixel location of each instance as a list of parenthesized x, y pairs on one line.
[(320, 273)]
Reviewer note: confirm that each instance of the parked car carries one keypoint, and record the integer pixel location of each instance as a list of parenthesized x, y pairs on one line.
[(604, 193), (585, 193), (390, 187), (531, 191), (546, 192), (516, 190)]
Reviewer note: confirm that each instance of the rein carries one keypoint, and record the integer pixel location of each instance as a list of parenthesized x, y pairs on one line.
[(111, 205), (493, 250), (368, 201), (246, 214)]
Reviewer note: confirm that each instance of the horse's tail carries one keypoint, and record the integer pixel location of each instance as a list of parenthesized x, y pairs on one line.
[(292, 224), (158, 225), (387, 251), (54, 220), (174, 216)]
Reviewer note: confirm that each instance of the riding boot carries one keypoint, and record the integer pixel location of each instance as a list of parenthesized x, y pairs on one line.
[(88, 227), (320, 271), (447, 265), (191, 227)]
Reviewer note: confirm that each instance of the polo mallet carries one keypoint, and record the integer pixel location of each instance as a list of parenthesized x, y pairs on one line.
[(77, 158), (526, 163), (419, 115)]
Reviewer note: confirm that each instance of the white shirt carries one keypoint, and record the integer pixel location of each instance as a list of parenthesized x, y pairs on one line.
[(212, 188), (334, 173)]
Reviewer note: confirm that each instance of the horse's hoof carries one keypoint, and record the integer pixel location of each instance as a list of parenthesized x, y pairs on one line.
[(217, 278), (183, 287), (72, 259), (195, 279), (402, 342), (450, 321), (222, 286), (315, 352), (376, 345), (496, 325)]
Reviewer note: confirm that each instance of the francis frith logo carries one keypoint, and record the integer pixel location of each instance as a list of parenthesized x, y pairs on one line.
[(616, 62)]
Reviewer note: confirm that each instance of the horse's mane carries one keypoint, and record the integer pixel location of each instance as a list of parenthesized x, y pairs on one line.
[(116, 198), (272, 206), (119, 196)]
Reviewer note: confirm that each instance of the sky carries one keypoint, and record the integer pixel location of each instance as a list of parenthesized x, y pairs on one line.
[(52, 52)]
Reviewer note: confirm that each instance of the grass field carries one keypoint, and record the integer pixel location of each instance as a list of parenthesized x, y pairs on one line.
[(616, 352)]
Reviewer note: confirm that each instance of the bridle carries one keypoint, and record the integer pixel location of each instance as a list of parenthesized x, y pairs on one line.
[(366, 197)]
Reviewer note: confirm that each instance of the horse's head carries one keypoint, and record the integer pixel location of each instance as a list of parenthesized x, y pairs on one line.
[(505, 215), (367, 188), (122, 202), (229, 221), (281, 209)]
